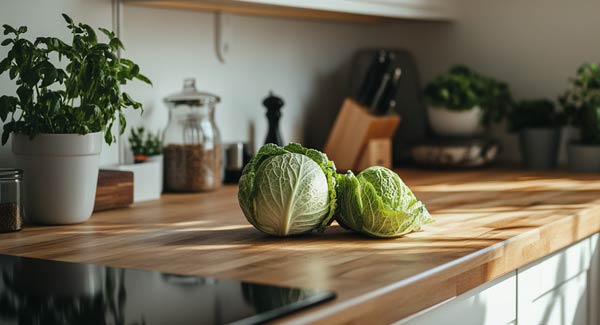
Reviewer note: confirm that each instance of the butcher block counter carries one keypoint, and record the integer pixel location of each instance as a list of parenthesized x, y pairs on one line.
[(489, 223)]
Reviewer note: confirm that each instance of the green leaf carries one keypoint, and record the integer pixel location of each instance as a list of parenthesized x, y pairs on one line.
[(5, 64), (122, 123), (134, 70), (116, 44), (22, 29), (25, 95), (91, 35), (13, 71), (108, 137), (143, 78), (5, 135), (106, 32), (9, 29), (7, 105), (350, 202), (6, 42), (8, 129), (67, 19)]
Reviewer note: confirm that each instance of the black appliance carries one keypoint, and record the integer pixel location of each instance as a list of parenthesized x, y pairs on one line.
[(36, 291)]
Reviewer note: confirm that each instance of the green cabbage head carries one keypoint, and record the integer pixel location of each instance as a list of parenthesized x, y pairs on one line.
[(378, 204), (288, 190)]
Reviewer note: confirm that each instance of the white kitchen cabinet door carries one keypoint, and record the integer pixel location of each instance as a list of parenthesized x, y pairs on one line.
[(556, 289), (493, 303), (594, 281)]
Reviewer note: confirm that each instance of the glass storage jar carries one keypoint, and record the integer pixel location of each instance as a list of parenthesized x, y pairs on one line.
[(11, 199), (192, 142)]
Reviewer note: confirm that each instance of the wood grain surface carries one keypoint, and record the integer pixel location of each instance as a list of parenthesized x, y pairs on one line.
[(114, 190), (489, 222)]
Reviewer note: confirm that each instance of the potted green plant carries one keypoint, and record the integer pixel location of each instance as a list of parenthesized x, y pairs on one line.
[(59, 115), (462, 102), (538, 124), (148, 164), (144, 145), (582, 105)]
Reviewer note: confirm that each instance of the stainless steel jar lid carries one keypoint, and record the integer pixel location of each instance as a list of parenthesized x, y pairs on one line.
[(10, 174), (191, 96)]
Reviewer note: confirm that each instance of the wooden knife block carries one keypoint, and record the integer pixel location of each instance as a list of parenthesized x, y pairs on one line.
[(359, 139)]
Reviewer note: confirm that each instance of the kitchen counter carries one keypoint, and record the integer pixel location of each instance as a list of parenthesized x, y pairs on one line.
[(489, 222)]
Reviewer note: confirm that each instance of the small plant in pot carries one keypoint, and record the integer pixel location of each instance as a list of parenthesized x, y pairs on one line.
[(539, 124), (59, 115), (144, 145), (582, 105), (148, 164), (462, 102)]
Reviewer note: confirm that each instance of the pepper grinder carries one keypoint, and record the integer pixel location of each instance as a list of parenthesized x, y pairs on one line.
[(273, 105)]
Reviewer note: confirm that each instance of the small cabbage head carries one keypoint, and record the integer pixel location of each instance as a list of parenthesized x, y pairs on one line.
[(378, 204), (288, 190)]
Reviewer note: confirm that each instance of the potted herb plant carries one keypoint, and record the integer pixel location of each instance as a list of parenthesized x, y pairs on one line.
[(582, 105), (539, 124), (148, 164), (59, 115), (462, 102), (144, 145)]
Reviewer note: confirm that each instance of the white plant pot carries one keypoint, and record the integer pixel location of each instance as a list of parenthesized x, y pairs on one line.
[(60, 176), (465, 123), (147, 178)]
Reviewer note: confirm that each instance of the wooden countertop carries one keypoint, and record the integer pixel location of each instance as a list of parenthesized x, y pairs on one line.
[(489, 222)]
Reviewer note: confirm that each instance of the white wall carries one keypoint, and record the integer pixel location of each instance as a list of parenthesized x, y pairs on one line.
[(301, 61), (534, 45)]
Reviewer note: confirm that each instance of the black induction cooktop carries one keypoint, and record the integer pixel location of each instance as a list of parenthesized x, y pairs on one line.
[(36, 291)]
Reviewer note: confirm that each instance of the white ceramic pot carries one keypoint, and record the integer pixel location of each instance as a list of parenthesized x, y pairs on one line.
[(584, 158), (160, 161), (60, 176), (446, 122)]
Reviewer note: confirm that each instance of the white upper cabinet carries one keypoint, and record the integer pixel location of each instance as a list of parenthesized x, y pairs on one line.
[(351, 10)]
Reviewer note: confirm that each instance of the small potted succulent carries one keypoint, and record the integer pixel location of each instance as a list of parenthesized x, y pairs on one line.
[(148, 164), (462, 102), (67, 96), (539, 124), (582, 105)]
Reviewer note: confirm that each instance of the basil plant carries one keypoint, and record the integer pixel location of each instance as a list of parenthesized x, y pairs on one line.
[(377, 203), (288, 190)]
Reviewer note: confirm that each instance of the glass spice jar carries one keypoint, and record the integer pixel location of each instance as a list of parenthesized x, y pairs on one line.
[(192, 142), (11, 199)]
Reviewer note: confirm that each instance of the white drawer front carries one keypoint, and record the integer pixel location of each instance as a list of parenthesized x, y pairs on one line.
[(554, 289), (491, 304), (566, 304)]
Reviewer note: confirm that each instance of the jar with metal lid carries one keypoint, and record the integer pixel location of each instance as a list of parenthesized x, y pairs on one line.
[(11, 199), (192, 142)]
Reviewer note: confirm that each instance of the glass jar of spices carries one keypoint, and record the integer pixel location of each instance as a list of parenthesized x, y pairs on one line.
[(11, 199), (192, 142)]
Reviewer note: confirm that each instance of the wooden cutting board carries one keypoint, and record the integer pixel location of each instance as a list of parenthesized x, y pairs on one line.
[(114, 190)]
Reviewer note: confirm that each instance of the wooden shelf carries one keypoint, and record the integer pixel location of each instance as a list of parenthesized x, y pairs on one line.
[(370, 11)]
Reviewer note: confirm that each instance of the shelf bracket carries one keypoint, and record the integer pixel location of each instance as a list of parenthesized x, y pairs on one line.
[(223, 35)]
